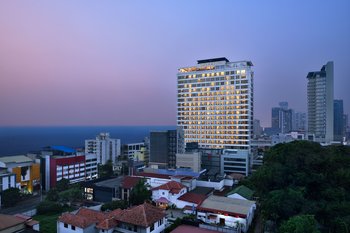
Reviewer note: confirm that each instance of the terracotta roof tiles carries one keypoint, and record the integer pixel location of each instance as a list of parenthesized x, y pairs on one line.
[(130, 181), (173, 187)]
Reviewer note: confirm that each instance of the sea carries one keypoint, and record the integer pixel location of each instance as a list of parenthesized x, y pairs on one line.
[(23, 140)]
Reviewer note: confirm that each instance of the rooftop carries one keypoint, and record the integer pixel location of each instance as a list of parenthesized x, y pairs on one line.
[(243, 191), (213, 60), (226, 205), (15, 159), (130, 181), (193, 198), (142, 215), (173, 187), (110, 183), (7, 221), (83, 217)]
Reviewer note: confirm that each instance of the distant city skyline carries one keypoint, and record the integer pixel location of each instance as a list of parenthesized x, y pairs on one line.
[(115, 62)]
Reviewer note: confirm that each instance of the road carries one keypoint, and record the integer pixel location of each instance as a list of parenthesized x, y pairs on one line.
[(23, 206)]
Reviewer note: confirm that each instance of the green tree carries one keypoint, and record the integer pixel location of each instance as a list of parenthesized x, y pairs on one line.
[(48, 207), (140, 193), (71, 195), (305, 178), (62, 185), (105, 170), (10, 197), (120, 204), (52, 195), (300, 224)]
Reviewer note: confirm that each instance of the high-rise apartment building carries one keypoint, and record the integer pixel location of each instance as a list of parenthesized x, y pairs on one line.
[(299, 121), (104, 147), (338, 120), (163, 147), (281, 118), (215, 103), (320, 103)]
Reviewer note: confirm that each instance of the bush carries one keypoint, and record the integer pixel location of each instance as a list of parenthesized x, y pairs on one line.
[(114, 205), (49, 207), (10, 197)]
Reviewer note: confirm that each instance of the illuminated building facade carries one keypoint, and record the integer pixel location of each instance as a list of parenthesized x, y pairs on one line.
[(215, 103), (27, 172)]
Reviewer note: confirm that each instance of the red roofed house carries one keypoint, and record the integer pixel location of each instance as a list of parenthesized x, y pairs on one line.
[(168, 194), (190, 200), (142, 218)]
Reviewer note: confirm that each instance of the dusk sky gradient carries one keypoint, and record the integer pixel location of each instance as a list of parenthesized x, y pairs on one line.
[(115, 62)]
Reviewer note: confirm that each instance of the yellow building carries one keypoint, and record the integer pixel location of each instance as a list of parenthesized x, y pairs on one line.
[(27, 172)]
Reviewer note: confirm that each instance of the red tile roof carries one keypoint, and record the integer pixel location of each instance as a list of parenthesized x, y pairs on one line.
[(107, 224), (83, 218), (142, 215), (130, 181), (173, 187), (193, 198)]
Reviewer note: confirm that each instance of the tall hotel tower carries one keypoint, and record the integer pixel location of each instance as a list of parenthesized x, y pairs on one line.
[(215, 103), (320, 104)]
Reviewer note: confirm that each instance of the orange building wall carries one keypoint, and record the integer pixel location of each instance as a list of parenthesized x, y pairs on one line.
[(34, 175)]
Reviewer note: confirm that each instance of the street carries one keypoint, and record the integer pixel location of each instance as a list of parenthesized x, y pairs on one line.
[(23, 206)]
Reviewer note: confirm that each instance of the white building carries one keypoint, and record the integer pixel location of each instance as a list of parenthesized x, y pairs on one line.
[(320, 104), (104, 147), (91, 166), (215, 103), (168, 194), (235, 161), (143, 218), (7, 180), (230, 212), (133, 148), (189, 160)]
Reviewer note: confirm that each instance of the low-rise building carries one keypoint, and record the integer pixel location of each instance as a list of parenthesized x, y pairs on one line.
[(102, 190), (143, 218), (241, 192), (168, 194), (26, 171), (235, 161), (189, 160), (10, 223), (57, 167), (230, 212), (126, 186), (7, 180)]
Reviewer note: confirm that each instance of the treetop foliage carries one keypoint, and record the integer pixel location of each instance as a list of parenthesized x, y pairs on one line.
[(304, 178)]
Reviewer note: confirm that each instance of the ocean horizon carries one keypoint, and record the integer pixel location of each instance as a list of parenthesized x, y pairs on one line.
[(15, 140)]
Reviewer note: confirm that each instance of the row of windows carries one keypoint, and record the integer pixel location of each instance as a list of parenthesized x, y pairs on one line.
[(222, 78), (235, 84), (218, 142), (229, 91), (211, 74), (219, 127), (217, 132)]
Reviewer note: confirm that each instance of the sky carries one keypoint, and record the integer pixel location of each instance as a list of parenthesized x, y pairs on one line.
[(115, 62)]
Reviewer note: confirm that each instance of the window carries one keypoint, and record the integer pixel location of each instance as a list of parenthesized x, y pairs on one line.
[(152, 228), (73, 228), (65, 225)]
